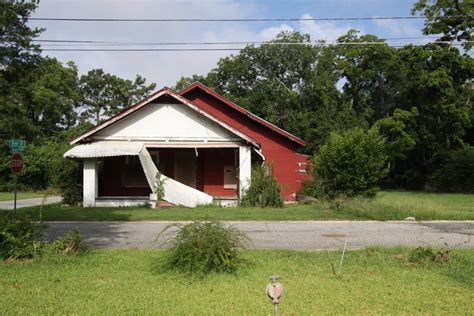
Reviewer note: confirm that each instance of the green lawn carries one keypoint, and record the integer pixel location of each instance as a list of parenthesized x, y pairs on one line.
[(6, 196), (374, 281), (388, 205)]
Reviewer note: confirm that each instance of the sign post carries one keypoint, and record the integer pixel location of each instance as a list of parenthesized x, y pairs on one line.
[(17, 146)]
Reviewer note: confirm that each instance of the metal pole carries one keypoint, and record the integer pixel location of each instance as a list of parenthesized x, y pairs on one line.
[(275, 310), (14, 199)]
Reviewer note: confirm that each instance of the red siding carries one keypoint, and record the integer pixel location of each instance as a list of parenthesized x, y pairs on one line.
[(213, 162), (277, 149)]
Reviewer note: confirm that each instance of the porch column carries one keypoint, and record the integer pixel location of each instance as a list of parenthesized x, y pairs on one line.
[(90, 184), (244, 169)]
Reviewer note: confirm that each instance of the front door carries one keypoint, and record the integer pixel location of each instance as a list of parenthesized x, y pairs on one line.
[(185, 167)]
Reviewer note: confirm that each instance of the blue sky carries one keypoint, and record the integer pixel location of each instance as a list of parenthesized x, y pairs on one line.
[(165, 68)]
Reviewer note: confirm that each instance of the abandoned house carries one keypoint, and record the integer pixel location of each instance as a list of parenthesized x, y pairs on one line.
[(202, 144)]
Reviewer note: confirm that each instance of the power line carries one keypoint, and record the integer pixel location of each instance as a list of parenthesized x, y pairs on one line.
[(226, 20), (397, 45), (119, 43)]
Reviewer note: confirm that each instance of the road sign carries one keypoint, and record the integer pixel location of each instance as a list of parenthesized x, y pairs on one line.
[(17, 145), (16, 163)]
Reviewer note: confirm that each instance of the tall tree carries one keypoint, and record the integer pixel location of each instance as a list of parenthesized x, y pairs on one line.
[(452, 18), (292, 86), (372, 75), (103, 94), (17, 56), (207, 80), (16, 36), (46, 95), (437, 86)]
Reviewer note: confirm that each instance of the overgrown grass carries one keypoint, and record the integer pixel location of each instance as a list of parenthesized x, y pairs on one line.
[(388, 205), (7, 196), (374, 281)]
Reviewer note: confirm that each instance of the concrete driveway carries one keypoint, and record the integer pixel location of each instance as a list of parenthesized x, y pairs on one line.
[(8, 205), (307, 235)]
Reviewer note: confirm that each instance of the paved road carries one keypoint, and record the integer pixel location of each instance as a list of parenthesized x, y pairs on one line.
[(310, 235), (8, 205)]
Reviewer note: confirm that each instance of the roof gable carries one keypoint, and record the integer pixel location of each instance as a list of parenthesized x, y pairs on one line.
[(201, 87), (99, 129)]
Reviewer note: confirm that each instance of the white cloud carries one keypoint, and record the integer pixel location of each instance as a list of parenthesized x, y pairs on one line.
[(323, 30), (271, 32), (398, 28), (165, 68)]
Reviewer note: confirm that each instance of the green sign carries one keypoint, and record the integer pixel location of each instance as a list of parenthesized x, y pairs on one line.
[(17, 145)]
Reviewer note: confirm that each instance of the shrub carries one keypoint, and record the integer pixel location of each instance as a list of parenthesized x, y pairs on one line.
[(425, 255), (71, 185), (350, 163), (458, 172), (19, 237), (69, 244), (205, 247), (263, 191)]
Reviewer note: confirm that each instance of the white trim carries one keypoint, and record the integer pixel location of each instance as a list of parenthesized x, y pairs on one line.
[(245, 164), (163, 139), (90, 184)]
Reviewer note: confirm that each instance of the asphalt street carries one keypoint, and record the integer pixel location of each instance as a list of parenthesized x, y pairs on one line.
[(307, 235), (8, 205)]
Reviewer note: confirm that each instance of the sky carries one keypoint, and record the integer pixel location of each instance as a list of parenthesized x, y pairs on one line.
[(165, 68)]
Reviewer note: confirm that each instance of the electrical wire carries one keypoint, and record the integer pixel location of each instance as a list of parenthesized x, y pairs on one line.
[(227, 20), (397, 45), (120, 43)]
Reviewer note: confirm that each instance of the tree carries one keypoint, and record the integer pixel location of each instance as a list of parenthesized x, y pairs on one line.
[(437, 86), (16, 36), (103, 95), (372, 74), (207, 80), (292, 86), (17, 54), (452, 18), (457, 174), (399, 132), (46, 95)]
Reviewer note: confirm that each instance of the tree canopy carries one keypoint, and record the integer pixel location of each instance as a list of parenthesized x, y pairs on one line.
[(454, 19)]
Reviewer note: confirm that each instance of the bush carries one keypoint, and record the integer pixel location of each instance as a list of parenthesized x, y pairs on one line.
[(19, 237), (69, 244), (458, 172), (350, 164), (263, 191), (71, 185), (425, 255), (205, 247)]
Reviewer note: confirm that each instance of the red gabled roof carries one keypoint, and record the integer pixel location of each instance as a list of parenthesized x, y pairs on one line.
[(150, 98), (198, 85)]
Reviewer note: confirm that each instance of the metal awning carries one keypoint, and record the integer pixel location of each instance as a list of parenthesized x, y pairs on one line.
[(104, 149)]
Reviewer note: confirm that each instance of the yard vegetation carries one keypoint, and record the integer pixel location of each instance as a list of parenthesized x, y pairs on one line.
[(387, 205), (374, 281)]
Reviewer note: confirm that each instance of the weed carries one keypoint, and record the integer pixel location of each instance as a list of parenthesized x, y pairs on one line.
[(205, 247), (426, 255), (69, 244)]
